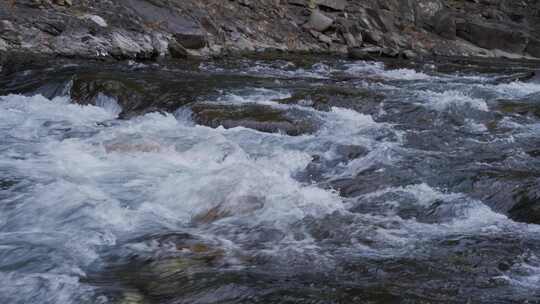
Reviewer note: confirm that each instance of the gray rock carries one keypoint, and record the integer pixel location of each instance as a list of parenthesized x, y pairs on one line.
[(193, 41), (493, 36), (351, 40), (177, 50), (319, 21), (373, 37), (426, 10), (409, 54), (324, 38), (533, 48), (338, 5), (372, 53), (143, 29), (258, 117), (445, 25)]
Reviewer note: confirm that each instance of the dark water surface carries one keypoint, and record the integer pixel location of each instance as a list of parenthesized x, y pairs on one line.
[(270, 181)]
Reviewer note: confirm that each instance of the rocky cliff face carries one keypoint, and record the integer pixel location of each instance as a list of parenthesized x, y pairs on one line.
[(148, 29)]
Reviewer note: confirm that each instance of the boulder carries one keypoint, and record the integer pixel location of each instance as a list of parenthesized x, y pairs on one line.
[(258, 117), (177, 50), (376, 19), (3, 45), (372, 53), (193, 41), (319, 21), (9, 32), (533, 48), (445, 25), (426, 10), (493, 36), (351, 40), (338, 5)]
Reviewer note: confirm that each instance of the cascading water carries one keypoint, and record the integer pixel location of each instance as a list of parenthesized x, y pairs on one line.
[(401, 185)]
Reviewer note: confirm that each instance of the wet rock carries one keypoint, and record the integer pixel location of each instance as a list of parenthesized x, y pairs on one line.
[(526, 106), (259, 117), (372, 53), (177, 262), (328, 96), (409, 54), (177, 50), (242, 205), (522, 76), (527, 208), (87, 90)]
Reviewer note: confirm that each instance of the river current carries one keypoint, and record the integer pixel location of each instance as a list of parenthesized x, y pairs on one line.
[(270, 181)]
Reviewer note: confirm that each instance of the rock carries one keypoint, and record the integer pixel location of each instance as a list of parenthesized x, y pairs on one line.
[(426, 10), (372, 53), (323, 98), (445, 25), (338, 5), (493, 36), (409, 54), (351, 40), (258, 117), (360, 54), (319, 21), (177, 50), (127, 45), (376, 20), (191, 40), (3, 45), (521, 76), (533, 47), (373, 37), (63, 2), (90, 30), (97, 20), (9, 32), (324, 38)]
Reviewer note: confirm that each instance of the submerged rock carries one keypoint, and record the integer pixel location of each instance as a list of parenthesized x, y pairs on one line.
[(167, 272), (323, 98), (259, 117)]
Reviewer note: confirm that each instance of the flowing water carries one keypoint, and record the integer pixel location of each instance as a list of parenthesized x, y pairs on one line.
[(327, 181)]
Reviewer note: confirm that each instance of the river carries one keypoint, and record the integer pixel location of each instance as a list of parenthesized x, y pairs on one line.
[(285, 180)]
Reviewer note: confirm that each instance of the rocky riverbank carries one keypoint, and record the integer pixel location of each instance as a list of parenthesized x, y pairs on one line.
[(152, 29)]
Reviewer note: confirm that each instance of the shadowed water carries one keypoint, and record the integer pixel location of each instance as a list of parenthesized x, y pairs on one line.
[(270, 181)]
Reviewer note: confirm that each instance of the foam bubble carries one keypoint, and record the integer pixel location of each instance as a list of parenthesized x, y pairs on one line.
[(441, 101)]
